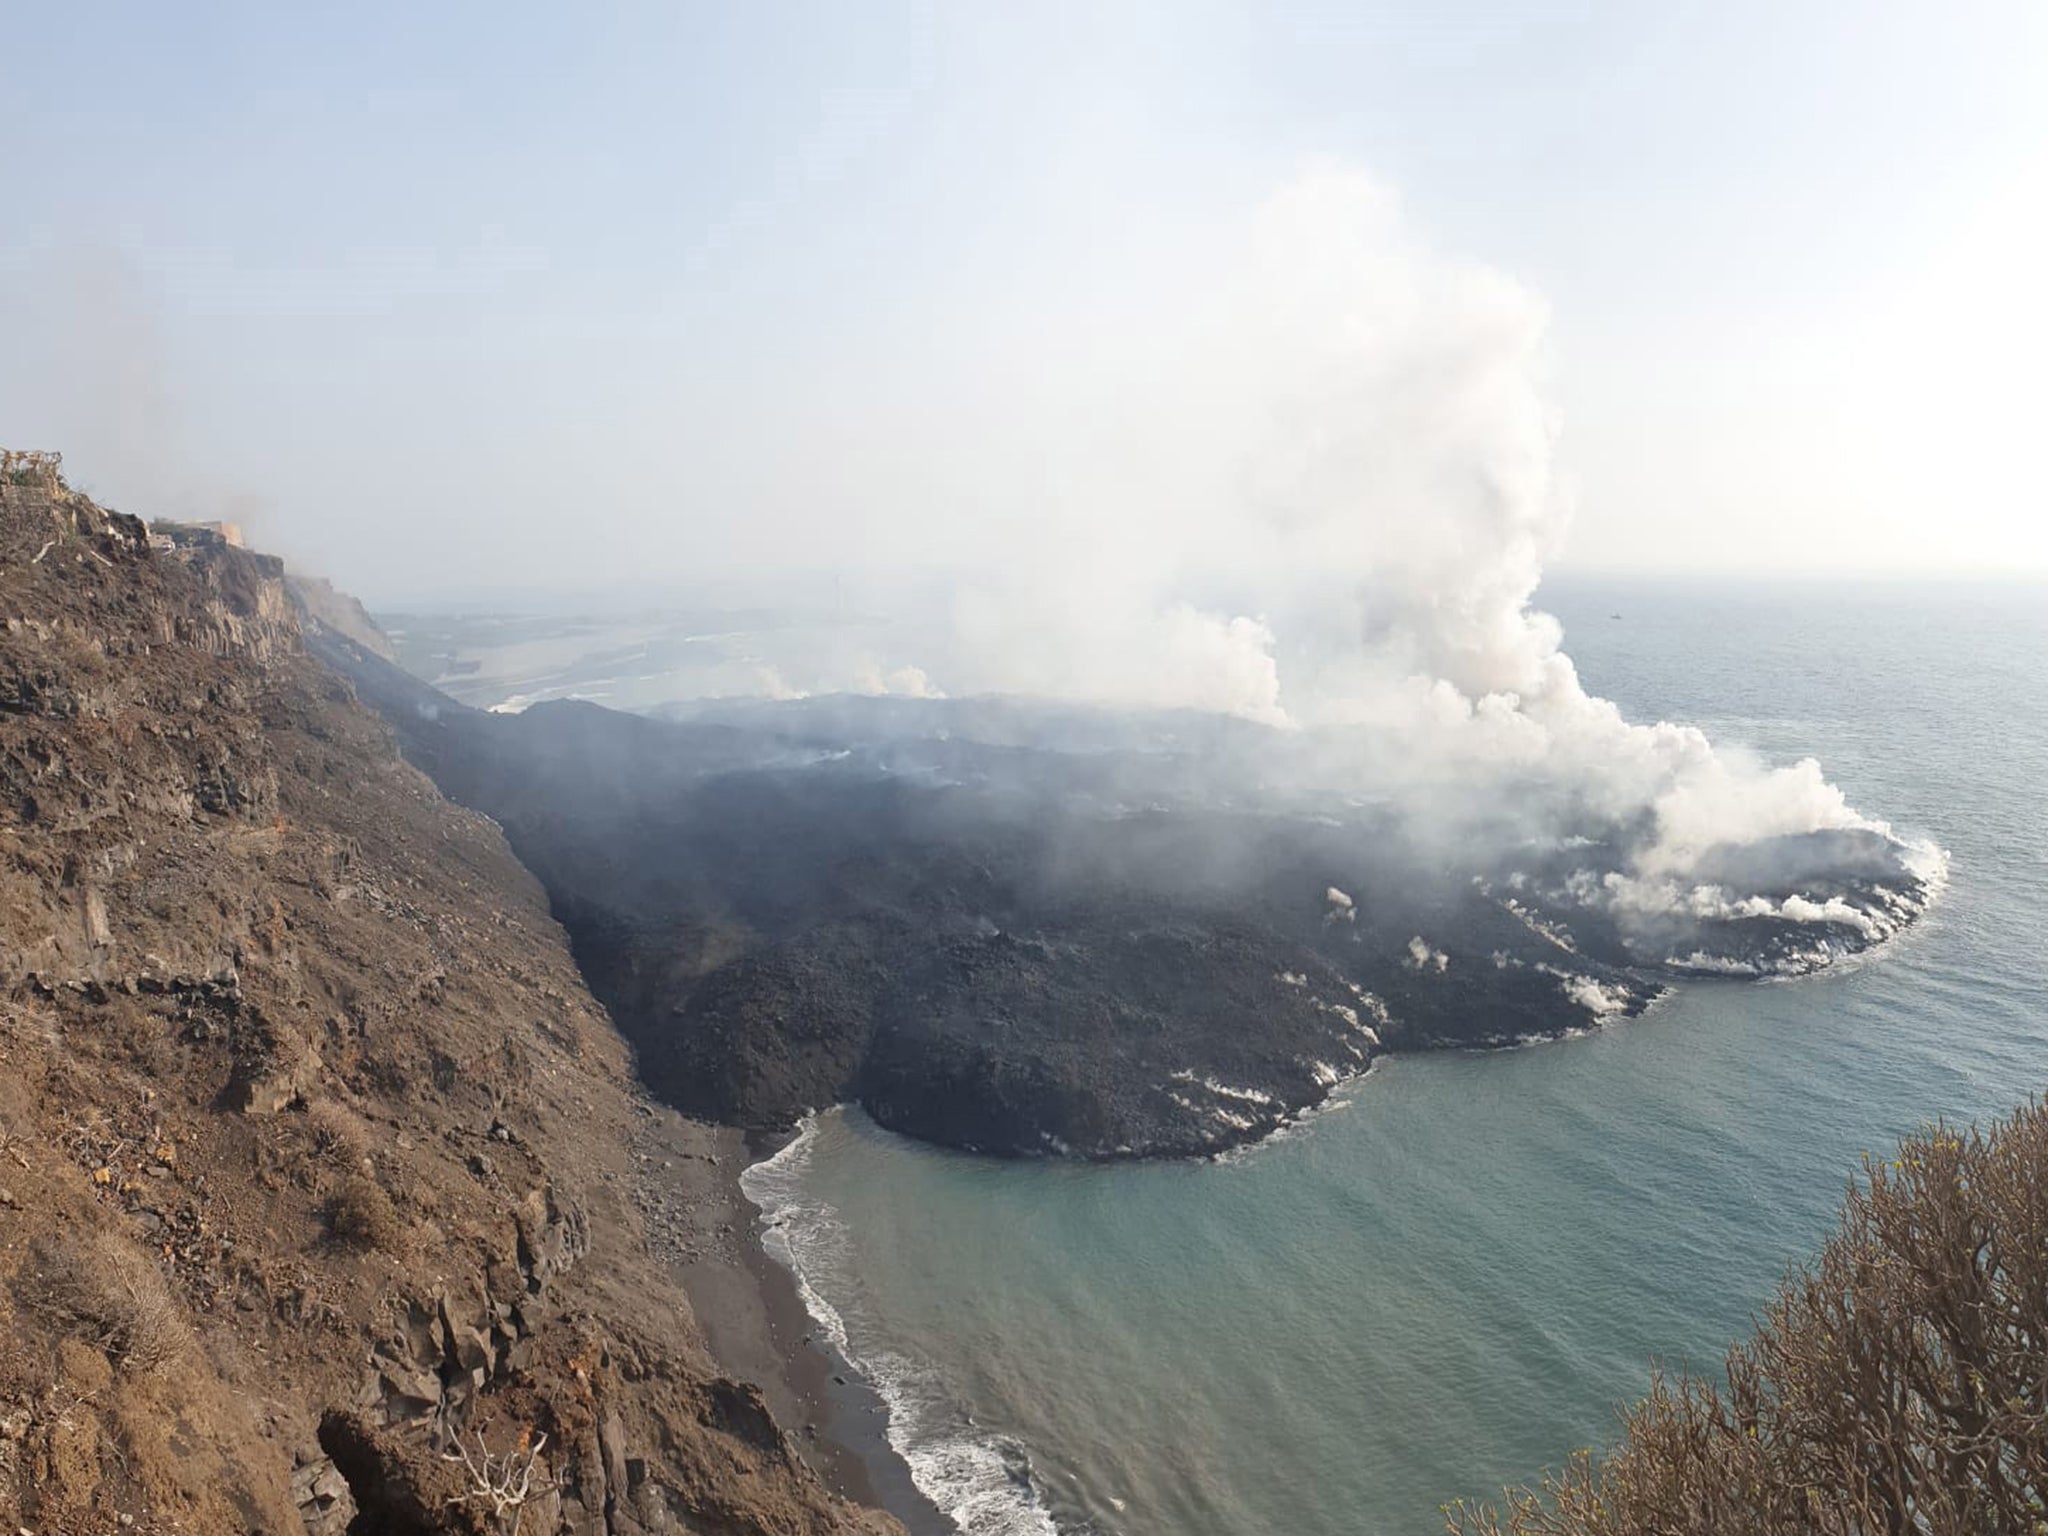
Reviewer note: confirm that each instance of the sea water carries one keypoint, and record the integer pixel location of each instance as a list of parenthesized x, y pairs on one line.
[(1459, 1273)]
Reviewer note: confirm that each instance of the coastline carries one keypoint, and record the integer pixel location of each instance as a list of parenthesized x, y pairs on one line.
[(753, 1321)]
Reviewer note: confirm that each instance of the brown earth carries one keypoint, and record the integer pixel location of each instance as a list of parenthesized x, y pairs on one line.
[(320, 1169)]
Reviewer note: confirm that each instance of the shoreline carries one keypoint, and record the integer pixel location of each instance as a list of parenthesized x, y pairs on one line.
[(753, 1321), (851, 1416)]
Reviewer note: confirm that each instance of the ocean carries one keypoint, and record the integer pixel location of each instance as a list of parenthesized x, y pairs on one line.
[(1461, 1270)]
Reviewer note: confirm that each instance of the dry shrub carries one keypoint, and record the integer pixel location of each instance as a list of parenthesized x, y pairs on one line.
[(338, 1135), (1899, 1385), (110, 1292), (362, 1215)]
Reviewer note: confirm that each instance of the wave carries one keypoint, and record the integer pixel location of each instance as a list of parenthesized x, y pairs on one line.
[(981, 1480), (1300, 1121)]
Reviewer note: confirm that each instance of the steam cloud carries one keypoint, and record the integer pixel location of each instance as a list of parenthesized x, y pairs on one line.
[(1321, 497), (1304, 474)]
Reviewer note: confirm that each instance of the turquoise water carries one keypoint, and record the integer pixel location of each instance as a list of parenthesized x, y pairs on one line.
[(1454, 1278)]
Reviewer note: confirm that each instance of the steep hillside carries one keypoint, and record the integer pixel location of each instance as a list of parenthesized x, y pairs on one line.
[(318, 1164)]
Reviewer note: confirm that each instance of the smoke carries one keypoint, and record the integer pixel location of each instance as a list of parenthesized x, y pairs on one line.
[(1300, 468), (1319, 485), (1317, 489), (92, 370)]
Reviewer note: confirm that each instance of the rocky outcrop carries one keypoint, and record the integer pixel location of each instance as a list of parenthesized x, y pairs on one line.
[(317, 1182), (325, 606)]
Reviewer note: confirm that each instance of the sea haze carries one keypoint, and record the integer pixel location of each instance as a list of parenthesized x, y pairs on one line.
[(1454, 1278), (651, 654)]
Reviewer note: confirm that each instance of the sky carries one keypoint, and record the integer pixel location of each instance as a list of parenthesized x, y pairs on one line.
[(450, 299)]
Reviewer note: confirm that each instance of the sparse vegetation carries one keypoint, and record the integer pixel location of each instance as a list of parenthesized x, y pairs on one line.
[(360, 1214), (35, 470), (337, 1136), (112, 1293), (504, 1484), (1899, 1385)]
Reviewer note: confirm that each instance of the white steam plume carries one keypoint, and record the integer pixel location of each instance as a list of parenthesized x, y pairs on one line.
[(1322, 497)]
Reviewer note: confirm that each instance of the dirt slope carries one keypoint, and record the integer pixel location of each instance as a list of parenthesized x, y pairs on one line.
[(315, 1154)]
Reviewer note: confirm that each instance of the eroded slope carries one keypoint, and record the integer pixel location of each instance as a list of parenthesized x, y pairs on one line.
[(314, 1150)]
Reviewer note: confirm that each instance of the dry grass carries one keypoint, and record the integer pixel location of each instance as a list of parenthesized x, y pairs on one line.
[(1899, 1385), (338, 1136), (360, 1214), (105, 1289)]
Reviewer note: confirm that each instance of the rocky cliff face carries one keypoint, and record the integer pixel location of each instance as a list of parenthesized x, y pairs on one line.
[(336, 612), (317, 1169)]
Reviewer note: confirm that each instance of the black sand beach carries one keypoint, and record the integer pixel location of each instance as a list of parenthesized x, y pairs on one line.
[(754, 1322)]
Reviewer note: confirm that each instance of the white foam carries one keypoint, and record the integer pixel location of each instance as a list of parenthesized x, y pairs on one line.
[(980, 1481), (1290, 1126), (790, 1222)]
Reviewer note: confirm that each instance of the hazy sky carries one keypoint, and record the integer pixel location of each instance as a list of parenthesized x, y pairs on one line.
[(545, 295)]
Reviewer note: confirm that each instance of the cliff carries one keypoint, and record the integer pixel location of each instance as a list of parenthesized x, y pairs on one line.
[(331, 609), (321, 1173)]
